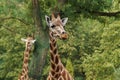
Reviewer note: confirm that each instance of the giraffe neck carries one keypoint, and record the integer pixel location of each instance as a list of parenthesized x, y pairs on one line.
[(56, 66), (24, 74), (58, 71)]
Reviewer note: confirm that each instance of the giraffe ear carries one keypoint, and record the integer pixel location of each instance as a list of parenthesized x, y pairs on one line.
[(33, 41), (24, 40), (47, 20), (64, 21)]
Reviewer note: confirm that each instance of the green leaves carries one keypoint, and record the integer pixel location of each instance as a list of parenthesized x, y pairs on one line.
[(12, 28), (70, 67), (93, 46), (102, 63)]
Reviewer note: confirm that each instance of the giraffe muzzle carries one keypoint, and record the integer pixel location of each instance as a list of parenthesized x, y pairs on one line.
[(64, 36)]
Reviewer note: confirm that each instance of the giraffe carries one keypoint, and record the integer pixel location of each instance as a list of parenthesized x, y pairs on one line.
[(29, 42), (56, 30)]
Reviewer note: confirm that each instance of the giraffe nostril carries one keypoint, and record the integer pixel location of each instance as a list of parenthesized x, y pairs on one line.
[(63, 32)]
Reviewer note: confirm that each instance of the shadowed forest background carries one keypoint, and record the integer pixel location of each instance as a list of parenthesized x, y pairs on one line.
[(92, 51)]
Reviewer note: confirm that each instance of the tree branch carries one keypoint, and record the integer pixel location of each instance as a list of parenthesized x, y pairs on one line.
[(108, 14), (12, 31), (21, 20)]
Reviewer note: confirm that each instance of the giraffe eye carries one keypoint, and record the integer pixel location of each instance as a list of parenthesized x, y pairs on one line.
[(28, 42), (52, 26)]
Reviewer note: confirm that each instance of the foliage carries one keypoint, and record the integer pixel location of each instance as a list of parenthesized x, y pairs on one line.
[(12, 29), (117, 73), (91, 52), (92, 5)]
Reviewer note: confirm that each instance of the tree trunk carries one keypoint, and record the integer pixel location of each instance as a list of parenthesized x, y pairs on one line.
[(41, 45)]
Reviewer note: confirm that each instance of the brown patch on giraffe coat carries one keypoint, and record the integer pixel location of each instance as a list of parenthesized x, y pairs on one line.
[(53, 40), (57, 69), (60, 79), (52, 78), (60, 67), (48, 79), (52, 56), (56, 59), (51, 47), (57, 75), (25, 76), (54, 43), (53, 66), (22, 77), (22, 72), (55, 51), (52, 72), (68, 76), (25, 68), (25, 60), (26, 55), (63, 73), (27, 50)]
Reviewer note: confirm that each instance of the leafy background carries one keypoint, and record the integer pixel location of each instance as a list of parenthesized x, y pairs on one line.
[(92, 51)]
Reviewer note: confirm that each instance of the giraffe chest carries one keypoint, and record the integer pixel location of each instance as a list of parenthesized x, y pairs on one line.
[(63, 75)]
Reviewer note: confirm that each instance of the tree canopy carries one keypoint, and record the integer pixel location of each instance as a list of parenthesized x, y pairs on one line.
[(92, 51)]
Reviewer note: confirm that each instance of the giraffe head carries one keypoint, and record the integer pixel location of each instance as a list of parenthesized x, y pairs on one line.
[(56, 26), (29, 42)]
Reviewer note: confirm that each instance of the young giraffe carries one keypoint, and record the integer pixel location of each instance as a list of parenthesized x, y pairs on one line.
[(29, 42), (56, 30)]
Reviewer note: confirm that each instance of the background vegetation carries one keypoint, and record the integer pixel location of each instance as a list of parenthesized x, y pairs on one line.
[(92, 51)]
